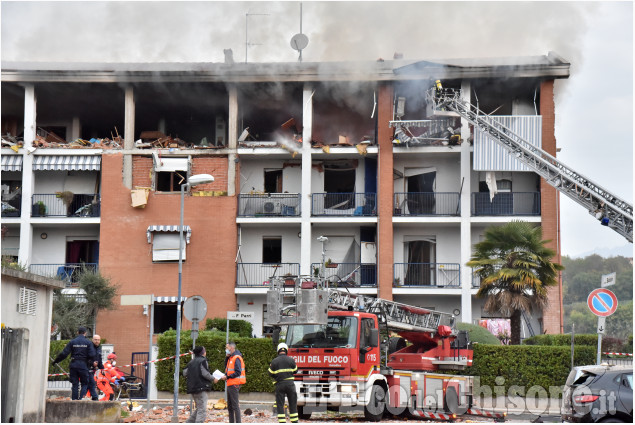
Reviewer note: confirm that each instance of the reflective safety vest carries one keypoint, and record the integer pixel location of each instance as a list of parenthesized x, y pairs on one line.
[(230, 369)]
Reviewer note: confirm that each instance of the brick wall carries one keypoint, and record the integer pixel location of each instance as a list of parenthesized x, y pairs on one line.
[(385, 257), (142, 168), (126, 255), (550, 209)]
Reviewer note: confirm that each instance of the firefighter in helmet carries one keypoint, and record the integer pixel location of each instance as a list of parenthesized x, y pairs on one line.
[(282, 369)]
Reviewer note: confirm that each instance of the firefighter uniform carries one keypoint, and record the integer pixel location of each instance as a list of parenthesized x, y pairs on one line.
[(282, 369)]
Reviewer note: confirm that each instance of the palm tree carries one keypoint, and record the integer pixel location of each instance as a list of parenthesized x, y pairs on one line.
[(515, 269)]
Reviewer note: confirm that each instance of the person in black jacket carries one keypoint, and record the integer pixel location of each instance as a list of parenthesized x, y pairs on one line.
[(282, 369), (82, 353), (97, 364), (198, 383)]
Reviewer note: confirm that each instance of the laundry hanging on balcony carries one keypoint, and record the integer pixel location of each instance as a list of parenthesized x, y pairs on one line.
[(67, 163)]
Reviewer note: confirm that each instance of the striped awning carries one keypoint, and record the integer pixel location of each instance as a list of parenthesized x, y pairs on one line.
[(186, 230), (11, 162), (168, 299), (67, 163)]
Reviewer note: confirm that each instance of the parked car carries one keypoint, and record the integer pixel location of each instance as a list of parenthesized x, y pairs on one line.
[(601, 393)]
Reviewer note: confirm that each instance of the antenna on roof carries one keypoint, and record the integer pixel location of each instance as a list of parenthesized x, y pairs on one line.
[(247, 43), (299, 41)]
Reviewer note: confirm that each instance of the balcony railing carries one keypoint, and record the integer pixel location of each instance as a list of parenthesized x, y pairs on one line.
[(50, 205), (427, 274), (343, 204), (348, 274), (258, 274), (511, 203), (269, 205), (476, 280), (68, 272), (427, 203)]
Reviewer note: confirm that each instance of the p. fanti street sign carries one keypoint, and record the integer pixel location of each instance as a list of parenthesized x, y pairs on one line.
[(602, 302), (238, 315)]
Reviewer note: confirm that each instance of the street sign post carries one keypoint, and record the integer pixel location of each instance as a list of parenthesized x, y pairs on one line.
[(194, 310), (602, 302)]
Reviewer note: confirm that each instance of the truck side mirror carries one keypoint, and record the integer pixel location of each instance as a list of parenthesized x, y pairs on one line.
[(374, 338)]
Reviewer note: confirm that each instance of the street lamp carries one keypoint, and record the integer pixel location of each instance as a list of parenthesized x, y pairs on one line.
[(191, 182)]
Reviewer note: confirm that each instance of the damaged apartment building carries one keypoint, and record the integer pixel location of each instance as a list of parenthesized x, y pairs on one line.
[(94, 156)]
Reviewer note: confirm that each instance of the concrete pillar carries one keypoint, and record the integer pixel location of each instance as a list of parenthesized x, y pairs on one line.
[(128, 144), (28, 181), (466, 229), (232, 141), (305, 200), (385, 193), (76, 129)]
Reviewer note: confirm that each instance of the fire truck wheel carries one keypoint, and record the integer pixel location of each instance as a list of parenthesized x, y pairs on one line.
[(374, 410), (451, 401), (396, 344), (305, 416)]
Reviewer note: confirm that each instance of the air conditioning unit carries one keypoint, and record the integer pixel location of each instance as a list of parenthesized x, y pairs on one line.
[(272, 208)]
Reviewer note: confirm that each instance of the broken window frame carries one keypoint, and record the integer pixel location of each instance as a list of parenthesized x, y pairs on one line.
[(170, 173)]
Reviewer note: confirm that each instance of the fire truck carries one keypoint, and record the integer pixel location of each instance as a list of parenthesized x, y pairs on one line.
[(359, 351)]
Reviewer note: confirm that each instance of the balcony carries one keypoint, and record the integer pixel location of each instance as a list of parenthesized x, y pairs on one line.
[(440, 275), (51, 205), (476, 280), (68, 272), (343, 204), (269, 205), (349, 275), (506, 204), (256, 275), (13, 207), (409, 204)]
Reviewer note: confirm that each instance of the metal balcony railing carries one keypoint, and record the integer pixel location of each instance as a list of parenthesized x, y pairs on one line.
[(348, 274), (269, 205), (258, 274), (427, 204), (506, 203), (50, 205), (476, 280), (68, 272), (343, 204), (441, 275)]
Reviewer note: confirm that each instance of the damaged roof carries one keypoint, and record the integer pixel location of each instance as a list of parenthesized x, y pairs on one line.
[(549, 66)]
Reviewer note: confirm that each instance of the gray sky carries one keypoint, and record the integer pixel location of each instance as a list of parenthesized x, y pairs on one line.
[(594, 108)]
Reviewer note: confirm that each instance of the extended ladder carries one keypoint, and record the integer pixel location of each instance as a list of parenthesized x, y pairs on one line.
[(395, 315), (608, 208)]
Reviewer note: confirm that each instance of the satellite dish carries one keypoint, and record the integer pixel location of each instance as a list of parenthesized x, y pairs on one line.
[(299, 42)]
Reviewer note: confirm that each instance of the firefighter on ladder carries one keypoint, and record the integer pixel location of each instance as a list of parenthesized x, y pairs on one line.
[(282, 369)]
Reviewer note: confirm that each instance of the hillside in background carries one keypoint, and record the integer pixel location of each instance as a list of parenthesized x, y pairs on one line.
[(583, 275)]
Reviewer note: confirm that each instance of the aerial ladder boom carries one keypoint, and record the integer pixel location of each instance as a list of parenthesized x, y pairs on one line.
[(605, 206)]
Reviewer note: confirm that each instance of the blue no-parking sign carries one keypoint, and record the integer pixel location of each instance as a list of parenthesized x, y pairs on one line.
[(602, 302)]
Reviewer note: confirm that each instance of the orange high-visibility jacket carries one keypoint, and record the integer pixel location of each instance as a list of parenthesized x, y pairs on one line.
[(229, 369)]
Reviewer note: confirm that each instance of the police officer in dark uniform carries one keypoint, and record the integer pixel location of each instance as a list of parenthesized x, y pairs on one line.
[(82, 353), (282, 369)]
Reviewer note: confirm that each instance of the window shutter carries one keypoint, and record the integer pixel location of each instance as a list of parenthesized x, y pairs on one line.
[(27, 301)]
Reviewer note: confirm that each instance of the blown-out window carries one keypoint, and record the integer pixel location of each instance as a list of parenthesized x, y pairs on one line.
[(170, 173)]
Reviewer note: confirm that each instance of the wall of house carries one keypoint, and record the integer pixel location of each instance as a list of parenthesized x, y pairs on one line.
[(35, 362), (254, 303), (126, 256), (52, 250), (252, 175), (447, 239), (49, 182), (448, 177), (251, 243), (442, 303)]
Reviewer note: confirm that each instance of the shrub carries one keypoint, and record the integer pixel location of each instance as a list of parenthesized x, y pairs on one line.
[(478, 334), (257, 354), (56, 347), (242, 327), (609, 344), (526, 365)]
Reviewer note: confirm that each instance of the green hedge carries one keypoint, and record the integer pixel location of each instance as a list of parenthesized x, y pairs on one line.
[(609, 344), (527, 365), (242, 327), (56, 347), (478, 334), (257, 354)]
